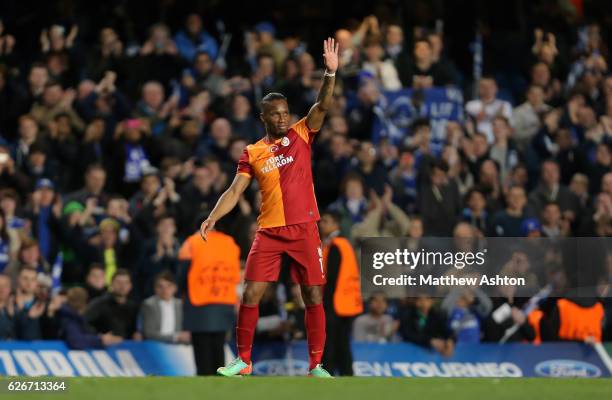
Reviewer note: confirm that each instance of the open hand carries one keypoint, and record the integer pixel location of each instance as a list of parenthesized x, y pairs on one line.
[(330, 55)]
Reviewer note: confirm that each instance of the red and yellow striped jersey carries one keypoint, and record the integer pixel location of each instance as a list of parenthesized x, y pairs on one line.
[(283, 171)]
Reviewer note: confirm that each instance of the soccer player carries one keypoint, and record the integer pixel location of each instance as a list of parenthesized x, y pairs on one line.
[(281, 164)]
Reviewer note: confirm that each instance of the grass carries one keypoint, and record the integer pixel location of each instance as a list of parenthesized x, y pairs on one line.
[(166, 388)]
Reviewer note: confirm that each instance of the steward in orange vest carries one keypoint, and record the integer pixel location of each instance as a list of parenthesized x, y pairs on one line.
[(210, 276), (342, 296), (214, 271), (573, 319)]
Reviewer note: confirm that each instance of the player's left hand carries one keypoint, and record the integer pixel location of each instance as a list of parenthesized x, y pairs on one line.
[(330, 55), (206, 226)]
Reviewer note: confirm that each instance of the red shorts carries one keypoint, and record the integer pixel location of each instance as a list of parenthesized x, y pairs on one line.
[(300, 242)]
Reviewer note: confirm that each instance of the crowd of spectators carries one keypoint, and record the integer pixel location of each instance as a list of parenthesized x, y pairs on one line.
[(112, 153)]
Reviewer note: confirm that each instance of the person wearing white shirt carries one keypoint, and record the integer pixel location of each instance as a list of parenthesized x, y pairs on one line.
[(162, 314), (383, 71), (487, 106), (526, 117)]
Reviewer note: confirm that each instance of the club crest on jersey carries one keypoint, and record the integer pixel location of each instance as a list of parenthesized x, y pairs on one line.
[(285, 141), (273, 148)]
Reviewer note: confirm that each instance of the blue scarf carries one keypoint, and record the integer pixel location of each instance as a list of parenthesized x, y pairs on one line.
[(44, 233), (4, 254)]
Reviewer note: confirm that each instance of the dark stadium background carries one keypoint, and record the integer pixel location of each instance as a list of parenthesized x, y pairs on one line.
[(507, 32), (507, 25)]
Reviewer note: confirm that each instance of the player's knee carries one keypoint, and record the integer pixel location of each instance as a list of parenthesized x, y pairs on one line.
[(312, 295), (252, 294)]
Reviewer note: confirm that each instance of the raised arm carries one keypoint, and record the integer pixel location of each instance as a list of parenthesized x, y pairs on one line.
[(226, 203), (316, 115)]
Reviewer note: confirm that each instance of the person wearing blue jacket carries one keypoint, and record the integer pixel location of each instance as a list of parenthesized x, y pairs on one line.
[(73, 327), (194, 39)]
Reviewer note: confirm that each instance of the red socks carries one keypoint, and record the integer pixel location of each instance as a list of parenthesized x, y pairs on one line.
[(245, 329), (314, 319)]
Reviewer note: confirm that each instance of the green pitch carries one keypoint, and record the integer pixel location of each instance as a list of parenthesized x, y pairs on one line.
[(154, 388)]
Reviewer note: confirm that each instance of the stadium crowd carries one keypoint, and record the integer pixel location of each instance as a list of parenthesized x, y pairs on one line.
[(113, 152)]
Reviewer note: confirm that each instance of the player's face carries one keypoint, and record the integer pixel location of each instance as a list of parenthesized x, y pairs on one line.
[(275, 118)]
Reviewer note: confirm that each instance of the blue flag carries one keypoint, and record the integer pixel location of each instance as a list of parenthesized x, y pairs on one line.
[(396, 111), (56, 274)]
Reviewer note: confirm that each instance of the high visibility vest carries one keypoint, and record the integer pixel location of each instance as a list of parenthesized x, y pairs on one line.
[(577, 323), (534, 320), (214, 272), (347, 294)]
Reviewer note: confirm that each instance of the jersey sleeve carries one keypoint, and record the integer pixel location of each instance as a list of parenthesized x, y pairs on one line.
[(244, 166), (303, 131)]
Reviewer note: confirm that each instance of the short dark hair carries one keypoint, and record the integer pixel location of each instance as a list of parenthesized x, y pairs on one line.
[(94, 166), (37, 64), (502, 118), (95, 266), (378, 293), (38, 147), (166, 276), (164, 216), (516, 186), (488, 76), (550, 161), (422, 39), (472, 191), (551, 203), (52, 83), (334, 215), (442, 165), (351, 176), (270, 97), (419, 123), (121, 272)]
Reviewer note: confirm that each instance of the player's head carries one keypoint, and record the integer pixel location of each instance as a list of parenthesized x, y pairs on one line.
[(275, 114)]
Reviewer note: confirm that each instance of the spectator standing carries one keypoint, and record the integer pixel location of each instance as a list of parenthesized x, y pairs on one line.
[(376, 326), (425, 326), (77, 333), (508, 222), (159, 254), (115, 312), (7, 309), (507, 312), (162, 313), (95, 282), (44, 217), (527, 118), (551, 189), (28, 308), (382, 70), (193, 39), (487, 106), (465, 309), (95, 181), (439, 201), (421, 71)]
